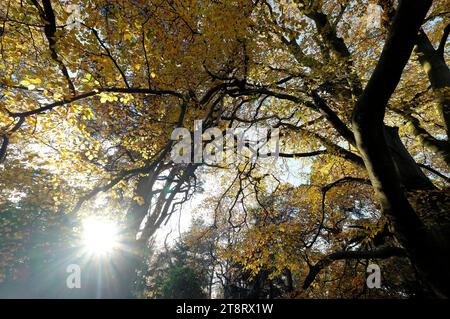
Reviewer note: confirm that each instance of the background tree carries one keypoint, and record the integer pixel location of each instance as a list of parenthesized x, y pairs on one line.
[(177, 272)]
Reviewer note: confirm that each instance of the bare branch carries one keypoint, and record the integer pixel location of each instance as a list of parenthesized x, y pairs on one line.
[(381, 252)]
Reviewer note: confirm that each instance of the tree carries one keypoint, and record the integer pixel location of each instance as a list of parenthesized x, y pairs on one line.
[(88, 109), (177, 274), (368, 127), (182, 283)]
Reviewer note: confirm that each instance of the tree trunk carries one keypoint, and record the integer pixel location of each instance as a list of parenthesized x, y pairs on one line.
[(433, 63), (133, 253), (428, 253), (410, 174)]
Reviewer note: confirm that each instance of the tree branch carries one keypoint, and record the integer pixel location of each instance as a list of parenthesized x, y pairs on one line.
[(93, 93), (381, 252), (441, 47), (305, 154), (48, 18)]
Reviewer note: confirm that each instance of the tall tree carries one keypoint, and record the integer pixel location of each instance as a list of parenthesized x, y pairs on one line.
[(92, 91)]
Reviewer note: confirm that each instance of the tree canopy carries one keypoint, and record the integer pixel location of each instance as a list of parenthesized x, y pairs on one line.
[(91, 92)]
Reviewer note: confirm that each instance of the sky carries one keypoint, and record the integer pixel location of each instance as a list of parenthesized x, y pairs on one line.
[(290, 170)]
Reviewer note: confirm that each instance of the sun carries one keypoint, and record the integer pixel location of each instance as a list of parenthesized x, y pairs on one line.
[(100, 236)]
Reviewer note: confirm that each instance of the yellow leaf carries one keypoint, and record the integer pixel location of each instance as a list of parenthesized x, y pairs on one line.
[(139, 200), (36, 81)]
